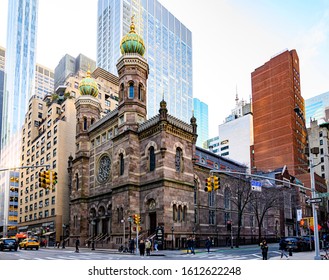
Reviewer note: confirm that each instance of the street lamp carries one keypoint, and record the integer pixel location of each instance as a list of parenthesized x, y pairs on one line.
[(172, 237), (63, 238), (315, 215)]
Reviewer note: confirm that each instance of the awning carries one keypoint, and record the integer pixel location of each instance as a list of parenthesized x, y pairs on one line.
[(49, 233)]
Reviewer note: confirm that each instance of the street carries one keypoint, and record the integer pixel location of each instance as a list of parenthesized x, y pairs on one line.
[(251, 252)]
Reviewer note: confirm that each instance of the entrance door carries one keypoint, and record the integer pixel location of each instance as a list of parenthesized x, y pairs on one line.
[(153, 222)]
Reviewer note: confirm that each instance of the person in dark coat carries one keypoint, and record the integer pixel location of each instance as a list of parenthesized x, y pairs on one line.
[(264, 248), (132, 246), (208, 244), (142, 248), (189, 245), (77, 244)]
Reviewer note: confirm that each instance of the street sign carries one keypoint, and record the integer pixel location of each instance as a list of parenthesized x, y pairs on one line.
[(256, 186), (314, 200), (326, 194)]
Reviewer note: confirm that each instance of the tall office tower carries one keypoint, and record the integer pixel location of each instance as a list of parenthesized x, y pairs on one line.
[(279, 134), (201, 115), (19, 87), (168, 50), (2, 82), (44, 81), (20, 64), (69, 65), (316, 107)]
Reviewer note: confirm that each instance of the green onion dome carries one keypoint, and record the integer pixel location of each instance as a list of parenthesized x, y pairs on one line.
[(132, 42), (88, 86)]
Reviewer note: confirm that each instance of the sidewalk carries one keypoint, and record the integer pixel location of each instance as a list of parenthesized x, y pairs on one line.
[(309, 255)]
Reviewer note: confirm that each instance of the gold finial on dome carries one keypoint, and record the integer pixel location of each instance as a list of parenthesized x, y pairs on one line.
[(132, 42), (132, 24)]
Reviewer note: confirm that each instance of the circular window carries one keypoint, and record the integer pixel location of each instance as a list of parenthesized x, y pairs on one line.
[(104, 169)]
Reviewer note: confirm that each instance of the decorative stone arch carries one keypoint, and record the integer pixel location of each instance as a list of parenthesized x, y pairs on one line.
[(101, 211), (151, 143), (140, 91), (179, 162), (76, 179), (92, 211)]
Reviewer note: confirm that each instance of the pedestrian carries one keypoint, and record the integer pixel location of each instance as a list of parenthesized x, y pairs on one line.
[(208, 244), (132, 246), (193, 246), (282, 249), (77, 244), (142, 248), (89, 242), (264, 248), (148, 246), (189, 245), (156, 245)]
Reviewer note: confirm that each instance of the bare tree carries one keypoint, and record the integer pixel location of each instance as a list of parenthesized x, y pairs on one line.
[(262, 202), (242, 190)]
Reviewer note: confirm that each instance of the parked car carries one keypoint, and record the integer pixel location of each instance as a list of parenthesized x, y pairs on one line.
[(8, 244), (307, 239), (295, 243), (29, 243)]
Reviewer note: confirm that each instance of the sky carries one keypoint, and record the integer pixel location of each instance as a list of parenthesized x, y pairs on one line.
[(231, 38)]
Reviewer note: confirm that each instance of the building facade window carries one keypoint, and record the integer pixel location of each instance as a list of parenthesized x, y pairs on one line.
[(122, 164), (178, 160), (152, 158), (131, 91)]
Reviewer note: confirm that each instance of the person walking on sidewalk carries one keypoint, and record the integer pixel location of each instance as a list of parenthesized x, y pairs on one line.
[(142, 248), (264, 248), (208, 244), (156, 245), (77, 244), (148, 246), (282, 249)]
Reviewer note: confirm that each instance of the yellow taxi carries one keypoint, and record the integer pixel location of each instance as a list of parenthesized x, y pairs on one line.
[(29, 243)]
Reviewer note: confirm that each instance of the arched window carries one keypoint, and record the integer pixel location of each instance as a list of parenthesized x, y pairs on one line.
[(131, 90), (178, 159), (152, 158), (140, 92), (121, 92), (179, 214), (184, 213), (174, 216), (227, 199), (92, 120), (122, 164), (77, 181), (84, 123)]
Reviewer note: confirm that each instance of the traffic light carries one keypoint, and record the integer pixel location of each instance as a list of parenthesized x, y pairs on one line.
[(208, 187), (47, 179), (137, 219), (216, 183), (53, 178), (43, 179)]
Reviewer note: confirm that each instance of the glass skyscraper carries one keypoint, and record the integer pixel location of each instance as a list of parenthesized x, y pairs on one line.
[(20, 64), (201, 115), (315, 108), (19, 86), (168, 51)]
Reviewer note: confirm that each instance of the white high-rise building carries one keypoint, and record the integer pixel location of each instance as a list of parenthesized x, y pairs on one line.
[(168, 50)]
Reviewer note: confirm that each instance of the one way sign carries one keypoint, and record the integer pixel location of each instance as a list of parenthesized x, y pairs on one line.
[(314, 200)]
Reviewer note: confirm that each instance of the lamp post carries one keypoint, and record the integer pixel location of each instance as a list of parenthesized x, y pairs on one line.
[(63, 238), (314, 211), (172, 237)]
